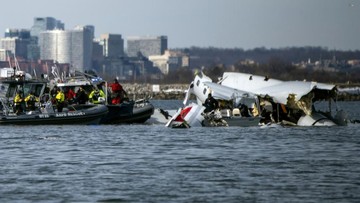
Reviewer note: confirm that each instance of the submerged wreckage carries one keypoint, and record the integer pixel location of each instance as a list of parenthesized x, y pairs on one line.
[(251, 100)]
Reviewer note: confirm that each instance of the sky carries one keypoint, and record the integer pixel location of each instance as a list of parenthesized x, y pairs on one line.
[(245, 24)]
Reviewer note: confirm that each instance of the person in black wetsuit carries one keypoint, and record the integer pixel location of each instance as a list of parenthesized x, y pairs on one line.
[(210, 103)]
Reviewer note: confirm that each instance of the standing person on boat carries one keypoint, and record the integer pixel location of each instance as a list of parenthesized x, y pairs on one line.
[(116, 87), (60, 100), (210, 103), (30, 100), (118, 92), (19, 102), (97, 96), (53, 93), (81, 96)]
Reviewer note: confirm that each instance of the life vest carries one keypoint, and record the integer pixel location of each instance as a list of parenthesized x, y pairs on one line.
[(116, 87), (116, 100), (18, 99), (30, 98), (96, 95), (60, 97)]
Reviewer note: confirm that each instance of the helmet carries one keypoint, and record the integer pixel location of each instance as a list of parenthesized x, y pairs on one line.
[(101, 99)]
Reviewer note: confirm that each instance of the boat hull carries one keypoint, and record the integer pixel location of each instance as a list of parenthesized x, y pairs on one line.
[(127, 113), (84, 114)]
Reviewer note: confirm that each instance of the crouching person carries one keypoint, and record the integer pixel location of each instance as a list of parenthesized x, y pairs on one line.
[(97, 97), (31, 100)]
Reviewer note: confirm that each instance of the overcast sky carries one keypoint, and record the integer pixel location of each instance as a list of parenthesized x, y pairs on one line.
[(245, 24)]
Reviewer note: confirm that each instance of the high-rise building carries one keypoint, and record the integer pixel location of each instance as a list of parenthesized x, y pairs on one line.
[(81, 47), (113, 45), (44, 24), (15, 45), (33, 49), (41, 24), (16, 41), (147, 46), (20, 33), (70, 46)]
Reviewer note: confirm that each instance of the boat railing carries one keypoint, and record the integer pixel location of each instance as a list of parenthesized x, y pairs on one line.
[(141, 102), (5, 107), (47, 107), (71, 108)]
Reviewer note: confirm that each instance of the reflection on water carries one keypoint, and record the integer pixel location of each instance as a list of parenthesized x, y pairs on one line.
[(151, 163)]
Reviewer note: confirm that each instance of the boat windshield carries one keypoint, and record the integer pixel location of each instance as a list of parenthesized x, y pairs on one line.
[(36, 88)]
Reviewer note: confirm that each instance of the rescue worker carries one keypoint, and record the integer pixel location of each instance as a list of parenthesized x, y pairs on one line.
[(19, 102), (210, 103), (69, 95), (118, 93), (97, 96), (60, 100), (116, 87), (53, 93), (81, 96), (30, 100)]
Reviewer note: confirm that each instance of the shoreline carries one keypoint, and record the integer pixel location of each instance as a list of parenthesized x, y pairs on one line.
[(155, 91), (178, 91)]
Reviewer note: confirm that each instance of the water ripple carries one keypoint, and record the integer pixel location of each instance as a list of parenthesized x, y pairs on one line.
[(142, 163)]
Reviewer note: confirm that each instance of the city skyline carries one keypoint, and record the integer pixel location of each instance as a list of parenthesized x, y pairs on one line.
[(245, 24)]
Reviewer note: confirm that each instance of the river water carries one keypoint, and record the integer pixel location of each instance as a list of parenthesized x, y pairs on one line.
[(151, 163)]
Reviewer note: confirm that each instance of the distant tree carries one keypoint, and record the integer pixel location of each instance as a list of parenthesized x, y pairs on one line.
[(275, 63), (215, 72), (181, 75)]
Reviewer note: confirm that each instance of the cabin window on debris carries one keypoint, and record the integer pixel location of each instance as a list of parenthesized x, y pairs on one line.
[(197, 83), (204, 91)]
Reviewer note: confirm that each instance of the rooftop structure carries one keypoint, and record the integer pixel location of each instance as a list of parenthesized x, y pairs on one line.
[(42, 24), (20, 33)]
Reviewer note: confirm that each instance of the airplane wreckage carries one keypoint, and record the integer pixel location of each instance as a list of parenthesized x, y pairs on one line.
[(252, 100)]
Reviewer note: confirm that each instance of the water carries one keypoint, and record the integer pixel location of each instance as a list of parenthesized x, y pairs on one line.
[(151, 163)]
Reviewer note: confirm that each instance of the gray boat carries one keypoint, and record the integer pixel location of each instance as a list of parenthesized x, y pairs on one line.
[(44, 112)]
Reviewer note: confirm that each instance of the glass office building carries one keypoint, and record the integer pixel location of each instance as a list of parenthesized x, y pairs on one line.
[(70, 46)]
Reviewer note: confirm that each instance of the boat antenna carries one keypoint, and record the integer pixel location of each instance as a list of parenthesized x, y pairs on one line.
[(16, 63), (8, 58), (35, 73)]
